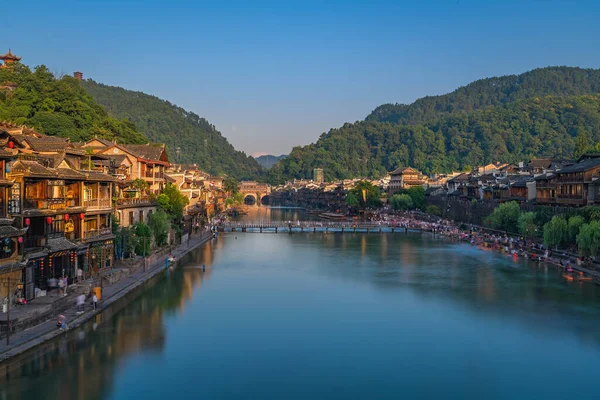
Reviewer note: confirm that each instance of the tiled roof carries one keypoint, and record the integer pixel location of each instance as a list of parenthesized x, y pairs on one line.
[(32, 168), (404, 170), (99, 176), (580, 166), (6, 154), (145, 151), (10, 231), (67, 173), (60, 244), (47, 143)]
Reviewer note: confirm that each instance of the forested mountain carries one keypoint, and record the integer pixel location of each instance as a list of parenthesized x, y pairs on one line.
[(497, 91), (267, 161), (198, 140), (57, 106), (549, 126)]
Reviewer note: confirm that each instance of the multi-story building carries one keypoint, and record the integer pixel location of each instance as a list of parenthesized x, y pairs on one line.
[(60, 209), (404, 178)]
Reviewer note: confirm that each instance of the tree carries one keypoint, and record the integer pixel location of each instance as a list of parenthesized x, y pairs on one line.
[(432, 209), (417, 194), (556, 231), (401, 202), (140, 185), (231, 186), (172, 202), (144, 238), (527, 224), (505, 217), (159, 224), (575, 223), (588, 238), (352, 200), (367, 194)]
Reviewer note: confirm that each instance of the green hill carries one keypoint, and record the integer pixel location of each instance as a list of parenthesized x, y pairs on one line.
[(521, 126), (57, 106), (198, 140), (497, 91)]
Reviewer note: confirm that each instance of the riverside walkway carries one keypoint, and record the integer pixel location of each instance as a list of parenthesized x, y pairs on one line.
[(316, 226), (26, 339)]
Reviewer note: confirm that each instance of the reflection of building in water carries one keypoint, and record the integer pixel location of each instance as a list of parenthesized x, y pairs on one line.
[(81, 364)]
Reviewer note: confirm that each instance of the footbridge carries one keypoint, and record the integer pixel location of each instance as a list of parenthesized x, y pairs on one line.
[(314, 226)]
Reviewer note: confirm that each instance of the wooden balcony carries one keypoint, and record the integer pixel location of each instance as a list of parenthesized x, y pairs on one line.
[(94, 204), (136, 201), (93, 234), (50, 204), (157, 174)]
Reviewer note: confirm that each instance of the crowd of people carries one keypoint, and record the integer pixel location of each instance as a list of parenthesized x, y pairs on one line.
[(512, 245)]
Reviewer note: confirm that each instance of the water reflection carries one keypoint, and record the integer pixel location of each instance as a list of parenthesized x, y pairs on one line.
[(81, 364), (274, 213)]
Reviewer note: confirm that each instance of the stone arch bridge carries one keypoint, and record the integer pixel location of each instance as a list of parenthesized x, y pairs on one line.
[(255, 192)]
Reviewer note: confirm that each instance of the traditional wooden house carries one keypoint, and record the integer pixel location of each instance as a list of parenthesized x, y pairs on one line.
[(404, 178)]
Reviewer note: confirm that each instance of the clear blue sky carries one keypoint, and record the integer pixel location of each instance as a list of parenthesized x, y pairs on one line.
[(271, 75)]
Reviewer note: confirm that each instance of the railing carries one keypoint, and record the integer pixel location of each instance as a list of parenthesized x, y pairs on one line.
[(152, 174), (96, 233), (97, 203), (52, 204), (135, 201), (570, 196)]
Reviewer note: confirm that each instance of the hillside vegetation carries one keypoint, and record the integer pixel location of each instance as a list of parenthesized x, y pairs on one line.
[(198, 140), (57, 106), (552, 112)]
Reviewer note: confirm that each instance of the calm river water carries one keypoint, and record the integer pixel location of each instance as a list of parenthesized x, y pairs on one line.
[(350, 316)]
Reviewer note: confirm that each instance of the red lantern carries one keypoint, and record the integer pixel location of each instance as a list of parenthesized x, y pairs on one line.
[(11, 145), (20, 239), (27, 222), (81, 216), (48, 220), (66, 217)]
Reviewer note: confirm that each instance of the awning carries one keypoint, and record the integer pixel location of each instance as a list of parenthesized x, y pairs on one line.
[(60, 246)]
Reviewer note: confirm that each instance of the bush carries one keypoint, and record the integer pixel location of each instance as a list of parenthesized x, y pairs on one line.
[(433, 210), (401, 202), (505, 217), (527, 224)]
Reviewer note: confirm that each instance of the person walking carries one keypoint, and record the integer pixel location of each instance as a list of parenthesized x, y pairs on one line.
[(80, 303), (94, 301)]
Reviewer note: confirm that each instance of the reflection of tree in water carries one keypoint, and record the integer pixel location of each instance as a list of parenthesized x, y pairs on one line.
[(81, 365), (482, 281)]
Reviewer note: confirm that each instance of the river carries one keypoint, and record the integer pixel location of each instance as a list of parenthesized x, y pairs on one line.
[(332, 316)]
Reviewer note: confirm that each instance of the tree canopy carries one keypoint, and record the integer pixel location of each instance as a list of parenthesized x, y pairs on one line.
[(550, 112), (58, 106), (161, 121)]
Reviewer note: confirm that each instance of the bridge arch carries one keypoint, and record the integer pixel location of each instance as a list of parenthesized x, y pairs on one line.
[(250, 198)]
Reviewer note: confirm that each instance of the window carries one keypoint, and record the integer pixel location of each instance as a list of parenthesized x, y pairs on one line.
[(56, 190), (141, 215), (131, 222)]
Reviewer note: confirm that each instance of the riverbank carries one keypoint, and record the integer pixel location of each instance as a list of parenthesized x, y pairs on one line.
[(123, 290)]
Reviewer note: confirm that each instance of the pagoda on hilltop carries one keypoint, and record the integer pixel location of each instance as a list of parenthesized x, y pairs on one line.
[(8, 58)]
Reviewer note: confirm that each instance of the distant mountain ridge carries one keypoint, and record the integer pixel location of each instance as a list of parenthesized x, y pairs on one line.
[(198, 140), (496, 91), (267, 161), (547, 112)]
